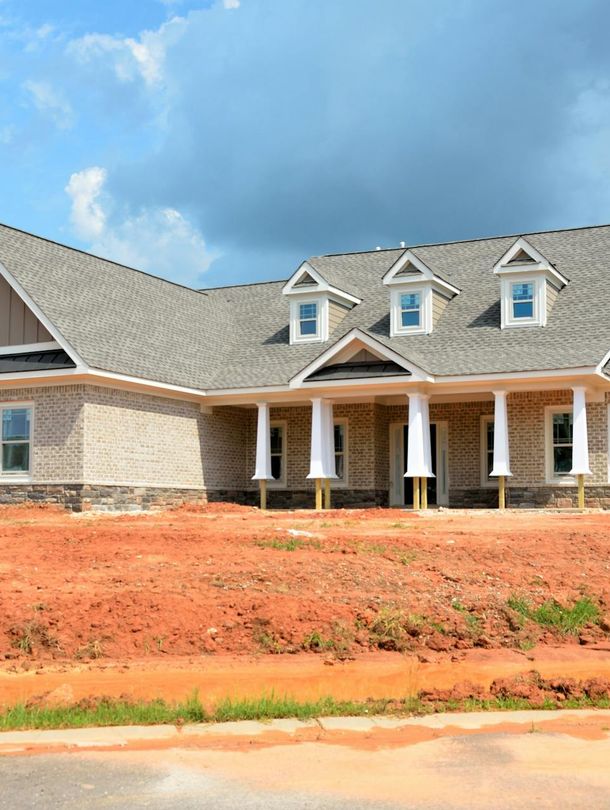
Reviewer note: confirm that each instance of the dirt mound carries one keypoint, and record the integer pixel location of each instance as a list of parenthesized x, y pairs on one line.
[(225, 579), (528, 686)]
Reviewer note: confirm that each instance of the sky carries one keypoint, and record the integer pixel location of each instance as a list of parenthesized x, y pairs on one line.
[(216, 142)]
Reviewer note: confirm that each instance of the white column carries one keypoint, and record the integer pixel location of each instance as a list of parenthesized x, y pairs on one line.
[(329, 444), (501, 454), (580, 439), (419, 454), (319, 439), (263, 444)]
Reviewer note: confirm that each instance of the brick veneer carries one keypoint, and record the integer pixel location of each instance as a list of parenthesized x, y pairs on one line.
[(101, 447)]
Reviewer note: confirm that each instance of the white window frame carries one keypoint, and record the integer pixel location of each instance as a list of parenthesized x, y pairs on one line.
[(280, 483), (551, 477), (344, 482), (21, 476), (425, 302), (321, 334), (486, 481), (539, 284)]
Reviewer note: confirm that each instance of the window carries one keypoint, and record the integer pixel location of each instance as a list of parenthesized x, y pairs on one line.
[(278, 453), (522, 294), (16, 437), (562, 443), (487, 450), (308, 319), (341, 452), (559, 433), (410, 310)]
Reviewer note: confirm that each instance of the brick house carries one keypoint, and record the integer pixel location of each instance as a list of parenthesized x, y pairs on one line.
[(460, 374)]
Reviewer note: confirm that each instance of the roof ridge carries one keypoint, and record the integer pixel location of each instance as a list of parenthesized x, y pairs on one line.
[(515, 235), (242, 284), (100, 258)]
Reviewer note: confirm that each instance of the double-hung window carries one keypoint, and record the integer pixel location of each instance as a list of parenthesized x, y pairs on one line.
[(522, 300), (308, 320), (278, 453), (561, 438), (487, 449), (410, 310), (16, 439), (340, 434)]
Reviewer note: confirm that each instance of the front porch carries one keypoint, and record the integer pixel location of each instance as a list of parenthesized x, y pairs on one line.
[(555, 438)]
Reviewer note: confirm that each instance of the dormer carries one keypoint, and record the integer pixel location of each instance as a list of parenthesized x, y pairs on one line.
[(316, 306), (417, 296), (529, 286)]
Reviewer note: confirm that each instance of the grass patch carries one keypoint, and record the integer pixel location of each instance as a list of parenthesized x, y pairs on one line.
[(110, 712), (407, 557), (391, 628), (552, 614), (472, 620), (290, 544)]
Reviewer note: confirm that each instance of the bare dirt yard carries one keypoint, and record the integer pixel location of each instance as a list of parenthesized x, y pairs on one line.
[(196, 585)]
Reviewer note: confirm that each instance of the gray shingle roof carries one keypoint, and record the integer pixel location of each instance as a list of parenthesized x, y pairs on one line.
[(125, 321)]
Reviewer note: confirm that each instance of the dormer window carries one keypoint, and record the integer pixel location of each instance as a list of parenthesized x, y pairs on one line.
[(316, 307), (523, 300), (309, 321), (529, 286), (417, 296), (410, 310)]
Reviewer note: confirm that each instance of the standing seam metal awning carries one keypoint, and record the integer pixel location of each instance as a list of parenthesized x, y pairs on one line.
[(35, 361)]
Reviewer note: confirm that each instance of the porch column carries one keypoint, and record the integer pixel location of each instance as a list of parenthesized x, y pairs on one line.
[(580, 442), (319, 463), (501, 466), (263, 452), (419, 454), (330, 451)]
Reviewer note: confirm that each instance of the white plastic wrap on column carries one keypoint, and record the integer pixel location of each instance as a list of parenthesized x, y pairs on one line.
[(319, 431), (418, 458), (580, 438), (329, 444), (263, 444), (501, 453), (427, 442)]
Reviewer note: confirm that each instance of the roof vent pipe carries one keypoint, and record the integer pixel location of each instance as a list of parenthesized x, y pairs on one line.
[(403, 244), (378, 247)]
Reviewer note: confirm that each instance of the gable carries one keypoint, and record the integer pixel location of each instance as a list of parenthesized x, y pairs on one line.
[(18, 324)]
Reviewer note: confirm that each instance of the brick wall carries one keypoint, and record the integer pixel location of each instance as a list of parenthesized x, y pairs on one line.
[(57, 431)]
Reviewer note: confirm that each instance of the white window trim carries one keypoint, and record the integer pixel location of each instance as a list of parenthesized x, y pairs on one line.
[(322, 326), (539, 318), (344, 483), (281, 482), (551, 478), (486, 481), (425, 325), (18, 477)]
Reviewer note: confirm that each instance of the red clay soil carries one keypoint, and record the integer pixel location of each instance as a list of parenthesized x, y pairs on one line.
[(228, 580)]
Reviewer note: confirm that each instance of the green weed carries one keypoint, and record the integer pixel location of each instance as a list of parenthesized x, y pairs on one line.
[(567, 620)]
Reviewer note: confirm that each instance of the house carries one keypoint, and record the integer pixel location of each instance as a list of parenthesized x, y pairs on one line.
[(469, 373)]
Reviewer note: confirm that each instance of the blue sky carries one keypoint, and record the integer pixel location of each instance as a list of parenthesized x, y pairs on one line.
[(224, 141)]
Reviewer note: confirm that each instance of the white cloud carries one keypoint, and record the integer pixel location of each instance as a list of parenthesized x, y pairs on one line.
[(50, 101), (231, 3), (87, 215), (158, 240), (141, 58)]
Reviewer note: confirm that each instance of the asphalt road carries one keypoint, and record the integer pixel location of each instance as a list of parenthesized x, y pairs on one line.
[(490, 770)]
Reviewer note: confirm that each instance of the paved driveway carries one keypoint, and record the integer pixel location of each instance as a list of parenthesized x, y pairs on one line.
[(509, 769)]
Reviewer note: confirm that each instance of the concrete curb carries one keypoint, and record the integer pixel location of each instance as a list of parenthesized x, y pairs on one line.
[(12, 742)]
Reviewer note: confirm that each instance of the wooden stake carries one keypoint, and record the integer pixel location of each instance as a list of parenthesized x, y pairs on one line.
[(424, 493), (581, 491), (318, 494), (501, 492), (262, 484), (327, 493), (416, 494)]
